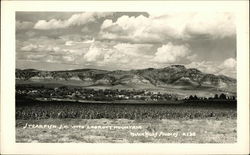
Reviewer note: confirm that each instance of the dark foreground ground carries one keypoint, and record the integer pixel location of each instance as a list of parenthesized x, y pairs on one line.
[(59, 122)]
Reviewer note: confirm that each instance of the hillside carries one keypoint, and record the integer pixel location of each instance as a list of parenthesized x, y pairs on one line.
[(174, 77)]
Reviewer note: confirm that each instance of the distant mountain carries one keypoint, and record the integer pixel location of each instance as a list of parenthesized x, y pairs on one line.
[(175, 76)]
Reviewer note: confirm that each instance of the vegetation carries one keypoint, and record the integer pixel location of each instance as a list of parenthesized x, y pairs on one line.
[(212, 119), (30, 109), (158, 106), (79, 93)]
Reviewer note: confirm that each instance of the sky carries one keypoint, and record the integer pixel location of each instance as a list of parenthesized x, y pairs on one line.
[(126, 40)]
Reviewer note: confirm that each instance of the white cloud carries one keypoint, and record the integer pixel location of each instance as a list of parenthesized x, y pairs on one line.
[(69, 43), (218, 25), (51, 50), (93, 54), (40, 48), (29, 47), (130, 28), (105, 54), (118, 55), (74, 43), (161, 27), (205, 66), (75, 37), (74, 20), (52, 24), (45, 44), (89, 41), (68, 58), (35, 57), (139, 50), (51, 59), (170, 53), (229, 63), (228, 67)]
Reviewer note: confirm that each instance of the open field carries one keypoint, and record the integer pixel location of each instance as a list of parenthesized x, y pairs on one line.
[(75, 122), (32, 109), (140, 131)]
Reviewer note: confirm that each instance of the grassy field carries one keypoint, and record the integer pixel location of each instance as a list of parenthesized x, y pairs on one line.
[(31, 109), (75, 122), (126, 131)]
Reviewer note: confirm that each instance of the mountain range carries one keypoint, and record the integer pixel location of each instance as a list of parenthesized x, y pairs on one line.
[(174, 77)]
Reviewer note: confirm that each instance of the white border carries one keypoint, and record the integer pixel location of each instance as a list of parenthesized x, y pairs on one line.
[(8, 145)]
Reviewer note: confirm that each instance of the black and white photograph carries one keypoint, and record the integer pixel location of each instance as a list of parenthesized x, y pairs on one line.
[(126, 77), (110, 76)]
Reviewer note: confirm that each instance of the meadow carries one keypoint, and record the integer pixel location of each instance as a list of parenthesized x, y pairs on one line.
[(112, 123)]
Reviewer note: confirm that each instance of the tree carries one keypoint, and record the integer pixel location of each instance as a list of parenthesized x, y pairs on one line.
[(223, 96), (233, 98), (191, 97), (216, 96), (195, 97)]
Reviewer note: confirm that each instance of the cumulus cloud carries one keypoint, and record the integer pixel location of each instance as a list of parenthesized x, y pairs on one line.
[(162, 27), (130, 40), (55, 45), (22, 25), (93, 54), (217, 25), (74, 20), (101, 53), (205, 66), (51, 24), (45, 49), (118, 55), (136, 29), (227, 67), (170, 53), (229, 63)]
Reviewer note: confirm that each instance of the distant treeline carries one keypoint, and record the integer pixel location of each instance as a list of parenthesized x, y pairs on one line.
[(78, 93), (222, 96)]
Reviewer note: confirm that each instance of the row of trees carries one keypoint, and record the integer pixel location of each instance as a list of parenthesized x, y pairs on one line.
[(222, 96)]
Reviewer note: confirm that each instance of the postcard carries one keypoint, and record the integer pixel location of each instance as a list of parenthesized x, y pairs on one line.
[(125, 77)]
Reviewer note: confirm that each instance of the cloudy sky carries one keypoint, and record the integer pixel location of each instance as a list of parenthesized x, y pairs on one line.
[(126, 40)]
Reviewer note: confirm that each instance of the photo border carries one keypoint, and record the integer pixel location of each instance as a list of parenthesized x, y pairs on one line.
[(8, 144)]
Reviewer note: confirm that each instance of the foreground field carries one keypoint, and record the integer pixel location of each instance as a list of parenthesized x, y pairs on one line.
[(31, 109), (126, 131), (75, 122)]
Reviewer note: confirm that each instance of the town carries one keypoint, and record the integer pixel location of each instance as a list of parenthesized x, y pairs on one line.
[(65, 92)]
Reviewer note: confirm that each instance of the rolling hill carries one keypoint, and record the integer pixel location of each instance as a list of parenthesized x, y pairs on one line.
[(176, 77)]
